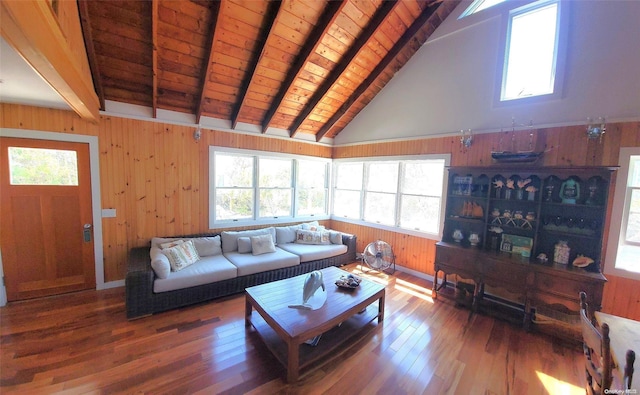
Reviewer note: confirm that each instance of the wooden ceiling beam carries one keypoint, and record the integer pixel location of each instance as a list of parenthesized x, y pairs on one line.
[(321, 28), (85, 23), (32, 29), (359, 43), (273, 10), (404, 40), (215, 7), (154, 57)]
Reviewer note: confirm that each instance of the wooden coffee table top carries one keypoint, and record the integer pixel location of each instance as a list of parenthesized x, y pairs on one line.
[(284, 329), (275, 297)]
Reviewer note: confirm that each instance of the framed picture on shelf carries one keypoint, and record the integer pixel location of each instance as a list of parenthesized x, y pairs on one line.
[(517, 244)]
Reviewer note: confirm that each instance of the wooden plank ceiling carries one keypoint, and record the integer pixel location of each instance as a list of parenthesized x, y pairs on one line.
[(306, 66)]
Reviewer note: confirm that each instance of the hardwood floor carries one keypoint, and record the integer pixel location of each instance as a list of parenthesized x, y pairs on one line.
[(82, 343)]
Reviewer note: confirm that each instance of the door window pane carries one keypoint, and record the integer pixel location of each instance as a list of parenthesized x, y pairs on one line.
[(39, 166)]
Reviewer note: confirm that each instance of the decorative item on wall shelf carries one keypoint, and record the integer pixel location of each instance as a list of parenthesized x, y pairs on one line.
[(517, 156), (595, 131), (466, 139)]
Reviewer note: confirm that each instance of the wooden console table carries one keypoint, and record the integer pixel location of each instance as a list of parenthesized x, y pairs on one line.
[(549, 287)]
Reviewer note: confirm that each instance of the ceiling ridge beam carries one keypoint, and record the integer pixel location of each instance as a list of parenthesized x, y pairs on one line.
[(271, 16), (373, 25), (321, 28), (204, 77), (402, 42), (85, 23)]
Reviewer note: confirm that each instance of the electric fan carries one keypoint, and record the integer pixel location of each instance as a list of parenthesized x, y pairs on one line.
[(378, 255)]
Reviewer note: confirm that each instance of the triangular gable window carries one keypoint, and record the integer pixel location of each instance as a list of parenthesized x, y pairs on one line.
[(479, 5)]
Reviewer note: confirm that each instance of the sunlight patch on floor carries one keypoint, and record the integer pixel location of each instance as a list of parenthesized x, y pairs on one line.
[(413, 289), (377, 277), (555, 386)]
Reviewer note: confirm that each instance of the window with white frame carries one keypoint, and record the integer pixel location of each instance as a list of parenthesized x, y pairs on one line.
[(256, 187), (532, 52), (403, 193), (479, 5), (623, 248)]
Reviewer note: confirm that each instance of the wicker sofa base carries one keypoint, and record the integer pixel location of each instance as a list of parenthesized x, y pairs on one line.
[(142, 301)]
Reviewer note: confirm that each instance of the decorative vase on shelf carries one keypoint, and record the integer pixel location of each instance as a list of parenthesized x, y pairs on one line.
[(474, 239), (458, 236)]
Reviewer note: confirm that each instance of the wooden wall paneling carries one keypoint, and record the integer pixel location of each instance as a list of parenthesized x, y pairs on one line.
[(175, 180)]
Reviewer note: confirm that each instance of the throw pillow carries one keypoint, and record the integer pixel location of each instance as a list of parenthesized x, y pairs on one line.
[(313, 225), (244, 245), (312, 237), (207, 246), (170, 244), (182, 255), (159, 263), (262, 244), (335, 237)]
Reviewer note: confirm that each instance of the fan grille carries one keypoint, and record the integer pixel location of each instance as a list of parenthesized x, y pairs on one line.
[(378, 255)]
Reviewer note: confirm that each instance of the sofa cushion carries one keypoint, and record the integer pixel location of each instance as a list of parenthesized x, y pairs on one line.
[(207, 270), (262, 244), (250, 264), (207, 246), (159, 262), (181, 255), (310, 252), (286, 234), (230, 238), (244, 245), (313, 225), (157, 241), (312, 237), (335, 237)]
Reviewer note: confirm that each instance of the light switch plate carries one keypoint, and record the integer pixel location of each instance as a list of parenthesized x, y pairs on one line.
[(108, 213)]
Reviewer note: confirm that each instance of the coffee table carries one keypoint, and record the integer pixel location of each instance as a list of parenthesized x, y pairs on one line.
[(285, 329)]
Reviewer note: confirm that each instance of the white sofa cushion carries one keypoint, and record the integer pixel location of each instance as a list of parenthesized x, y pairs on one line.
[(286, 234), (207, 270), (312, 252), (207, 246), (159, 262), (250, 264), (244, 245), (262, 244), (230, 238), (335, 237)]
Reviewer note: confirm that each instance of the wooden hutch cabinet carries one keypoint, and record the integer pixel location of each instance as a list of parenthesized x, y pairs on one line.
[(519, 229)]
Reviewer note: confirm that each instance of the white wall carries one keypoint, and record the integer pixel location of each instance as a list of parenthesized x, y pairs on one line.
[(448, 85)]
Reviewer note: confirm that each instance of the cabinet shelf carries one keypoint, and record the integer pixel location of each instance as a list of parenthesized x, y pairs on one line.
[(466, 219), (570, 205)]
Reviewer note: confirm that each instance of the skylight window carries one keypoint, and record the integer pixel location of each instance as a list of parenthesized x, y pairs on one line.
[(479, 5), (531, 53)]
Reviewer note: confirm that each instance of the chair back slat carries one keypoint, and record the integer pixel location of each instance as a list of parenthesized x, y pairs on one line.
[(597, 351)]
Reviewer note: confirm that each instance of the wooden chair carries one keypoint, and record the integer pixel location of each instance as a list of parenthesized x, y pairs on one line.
[(597, 351), (628, 368)]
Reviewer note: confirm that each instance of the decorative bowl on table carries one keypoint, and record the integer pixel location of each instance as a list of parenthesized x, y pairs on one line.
[(349, 281)]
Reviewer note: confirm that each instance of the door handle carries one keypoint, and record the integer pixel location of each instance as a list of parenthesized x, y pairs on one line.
[(86, 233)]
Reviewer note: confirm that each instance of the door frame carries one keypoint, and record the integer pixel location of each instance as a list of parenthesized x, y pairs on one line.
[(96, 205)]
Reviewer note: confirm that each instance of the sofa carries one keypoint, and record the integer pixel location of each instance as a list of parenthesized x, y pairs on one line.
[(222, 264)]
